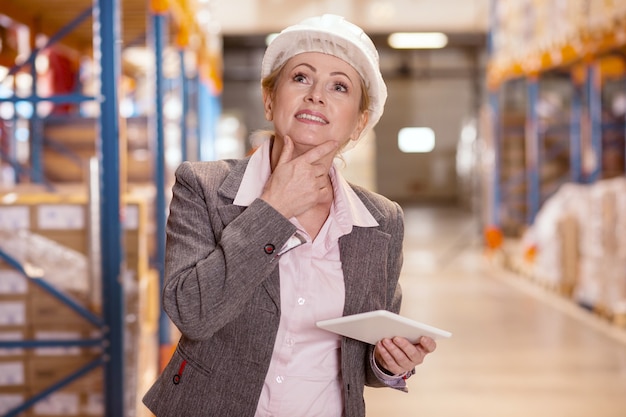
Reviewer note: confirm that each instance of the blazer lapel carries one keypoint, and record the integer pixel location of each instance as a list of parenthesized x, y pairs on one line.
[(363, 257), (228, 190)]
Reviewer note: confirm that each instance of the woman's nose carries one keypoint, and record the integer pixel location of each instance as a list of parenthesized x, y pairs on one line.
[(315, 95)]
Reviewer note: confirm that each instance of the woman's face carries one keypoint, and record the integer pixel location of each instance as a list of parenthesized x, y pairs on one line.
[(316, 99)]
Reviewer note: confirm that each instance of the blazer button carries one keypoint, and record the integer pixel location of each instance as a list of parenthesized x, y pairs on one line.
[(269, 248)]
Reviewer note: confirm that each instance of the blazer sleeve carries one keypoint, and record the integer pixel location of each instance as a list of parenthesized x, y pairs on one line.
[(213, 268)]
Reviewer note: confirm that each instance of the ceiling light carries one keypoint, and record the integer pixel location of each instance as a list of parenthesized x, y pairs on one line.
[(417, 40), (416, 139)]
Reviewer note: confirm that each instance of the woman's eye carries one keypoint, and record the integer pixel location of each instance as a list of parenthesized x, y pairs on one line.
[(341, 87), (299, 78)]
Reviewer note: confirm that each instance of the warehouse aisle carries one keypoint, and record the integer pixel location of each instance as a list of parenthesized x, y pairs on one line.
[(516, 350)]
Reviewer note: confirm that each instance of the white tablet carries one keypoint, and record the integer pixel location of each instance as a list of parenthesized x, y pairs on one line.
[(373, 326)]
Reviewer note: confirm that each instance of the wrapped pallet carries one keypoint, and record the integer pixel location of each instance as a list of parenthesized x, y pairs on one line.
[(555, 237), (602, 285)]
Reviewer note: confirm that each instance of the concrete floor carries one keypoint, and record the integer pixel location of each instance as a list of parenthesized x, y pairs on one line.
[(516, 349)]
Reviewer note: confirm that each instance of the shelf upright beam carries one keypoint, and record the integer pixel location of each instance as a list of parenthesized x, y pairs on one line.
[(12, 155), (594, 103), (107, 41), (495, 204), (496, 134), (575, 158), (196, 104), (159, 10), (184, 131), (35, 128), (182, 41), (533, 149)]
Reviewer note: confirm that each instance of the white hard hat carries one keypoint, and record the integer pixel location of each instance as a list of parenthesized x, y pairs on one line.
[(333, 35)]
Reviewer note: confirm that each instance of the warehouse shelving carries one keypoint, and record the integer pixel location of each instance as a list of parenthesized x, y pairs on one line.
[(582, 143), (113, 24), (105, 13), (581, 60), (557, 81), (38, 279)]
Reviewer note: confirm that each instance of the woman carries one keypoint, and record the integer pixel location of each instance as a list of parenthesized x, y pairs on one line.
[(260, 249)]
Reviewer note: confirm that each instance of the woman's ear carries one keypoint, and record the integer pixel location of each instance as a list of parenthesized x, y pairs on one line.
[(362, 122), (267, 105)]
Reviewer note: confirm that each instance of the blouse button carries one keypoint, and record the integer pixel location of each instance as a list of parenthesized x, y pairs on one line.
[(301, 301)]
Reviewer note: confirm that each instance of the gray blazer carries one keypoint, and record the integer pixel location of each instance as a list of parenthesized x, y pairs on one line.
[(222, 292)]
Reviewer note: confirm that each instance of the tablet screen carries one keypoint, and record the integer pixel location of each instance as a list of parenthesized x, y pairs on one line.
[(372, 326)]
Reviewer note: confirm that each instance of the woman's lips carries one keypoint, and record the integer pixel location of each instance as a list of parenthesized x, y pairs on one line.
[(311, 116)]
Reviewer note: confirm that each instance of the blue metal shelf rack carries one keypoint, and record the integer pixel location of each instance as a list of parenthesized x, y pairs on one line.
[(196, 99), (583, 137), (107, 43), (585, 121), (81, 311)]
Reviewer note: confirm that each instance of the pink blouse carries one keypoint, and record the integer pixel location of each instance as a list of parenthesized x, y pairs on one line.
[(304, 377)]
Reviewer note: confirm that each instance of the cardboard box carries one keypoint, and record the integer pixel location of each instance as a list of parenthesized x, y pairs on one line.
[(61, 331), (45, 371), (93, 404), (13, 334), (12, 282), (13, 374), (13, 311), (72, 239), (14, 217), (11, 398), (57, 404), (64, 403), (44, 308)]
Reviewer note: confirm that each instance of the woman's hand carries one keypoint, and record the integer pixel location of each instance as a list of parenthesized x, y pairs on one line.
[(298, 184), (398, 355)]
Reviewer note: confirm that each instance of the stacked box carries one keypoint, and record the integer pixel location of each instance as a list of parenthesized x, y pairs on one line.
[(568, 233), (30, 313), (42, 219), (555, 234), (50, 233), (600, 13), (560, 28), (147, 337), (594, 272), (80, 398), (600, 284), (540, 25), (511, 26), (588, 291), (12, 334), (619, 185), (613, 300), (65, 403), (13, 327), (13, 297), (79, 134), (614, 286), (135, 238), (10, 398), (46, 310), (535, 35)]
